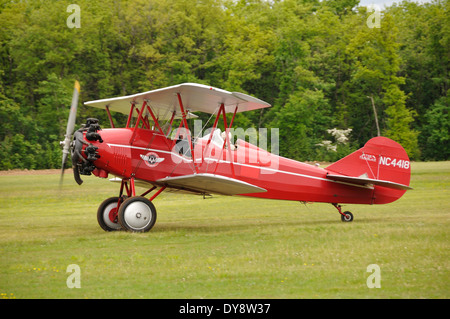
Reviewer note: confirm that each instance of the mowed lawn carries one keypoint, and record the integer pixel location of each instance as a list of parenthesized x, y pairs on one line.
[(224, 247)]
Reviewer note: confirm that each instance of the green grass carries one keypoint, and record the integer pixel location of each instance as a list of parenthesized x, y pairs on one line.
[(224, 247)]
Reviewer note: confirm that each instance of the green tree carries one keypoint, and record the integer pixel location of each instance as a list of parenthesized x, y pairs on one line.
[(399, 119), (376, 74), (425, 50), (317, 62), (302, 122), (436, 136)]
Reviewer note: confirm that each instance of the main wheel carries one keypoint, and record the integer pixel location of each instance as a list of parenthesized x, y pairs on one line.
[(107, 214), (137, 214), (347, 218)]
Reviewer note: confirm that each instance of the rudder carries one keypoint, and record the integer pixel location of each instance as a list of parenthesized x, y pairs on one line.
[(380, 159)]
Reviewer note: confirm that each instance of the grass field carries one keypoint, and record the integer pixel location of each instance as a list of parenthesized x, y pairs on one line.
[(223, 247)]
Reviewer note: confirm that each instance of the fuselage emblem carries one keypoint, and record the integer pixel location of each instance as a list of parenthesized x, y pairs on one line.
[(152, 159)]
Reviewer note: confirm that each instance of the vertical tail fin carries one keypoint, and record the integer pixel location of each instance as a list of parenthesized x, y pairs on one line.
[(382, 162)]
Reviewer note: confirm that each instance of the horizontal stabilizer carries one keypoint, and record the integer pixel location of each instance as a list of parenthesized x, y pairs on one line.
[(210, 183), (362, 181)]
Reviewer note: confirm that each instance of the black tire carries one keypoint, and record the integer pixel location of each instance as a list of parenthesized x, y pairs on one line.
[(103, 215), (348, 217), (137, 214)]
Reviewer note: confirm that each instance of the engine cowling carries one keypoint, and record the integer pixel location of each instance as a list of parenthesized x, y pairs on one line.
[(85, 153)]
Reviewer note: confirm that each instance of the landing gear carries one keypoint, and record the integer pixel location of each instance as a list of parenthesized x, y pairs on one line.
[(345, 216), (137, 214), (128, 211), (107, 214)]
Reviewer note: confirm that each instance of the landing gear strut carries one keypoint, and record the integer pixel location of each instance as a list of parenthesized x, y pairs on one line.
[(107, 214), (345, 216), (128, 211)]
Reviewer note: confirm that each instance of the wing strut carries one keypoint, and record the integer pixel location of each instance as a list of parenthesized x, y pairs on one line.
[(185, 124), (211, 135), (227, 139), (137, 122)]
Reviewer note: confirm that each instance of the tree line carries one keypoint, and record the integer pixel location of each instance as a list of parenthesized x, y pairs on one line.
[(325, 66)]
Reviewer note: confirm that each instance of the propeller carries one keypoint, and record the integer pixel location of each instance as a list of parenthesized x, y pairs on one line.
[(70, 128)]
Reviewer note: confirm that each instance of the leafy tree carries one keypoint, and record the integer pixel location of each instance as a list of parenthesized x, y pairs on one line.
[(317, 62), (399, 119), (435, 138), (377, 65), (302, 122)]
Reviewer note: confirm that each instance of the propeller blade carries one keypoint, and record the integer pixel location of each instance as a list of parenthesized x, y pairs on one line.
[(64, 159), (70, 127), (73, 109)]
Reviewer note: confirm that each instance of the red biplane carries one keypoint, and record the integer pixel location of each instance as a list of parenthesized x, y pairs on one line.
[(154, 153)]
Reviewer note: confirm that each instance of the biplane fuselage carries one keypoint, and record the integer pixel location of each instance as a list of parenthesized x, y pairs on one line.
[(282, 178), (146, 154)]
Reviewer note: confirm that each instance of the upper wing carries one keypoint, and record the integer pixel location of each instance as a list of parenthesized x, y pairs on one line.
[(211, 184), (362, 181), (195, 97)]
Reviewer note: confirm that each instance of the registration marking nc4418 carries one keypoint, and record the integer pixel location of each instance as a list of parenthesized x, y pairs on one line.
[(387, 161)]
